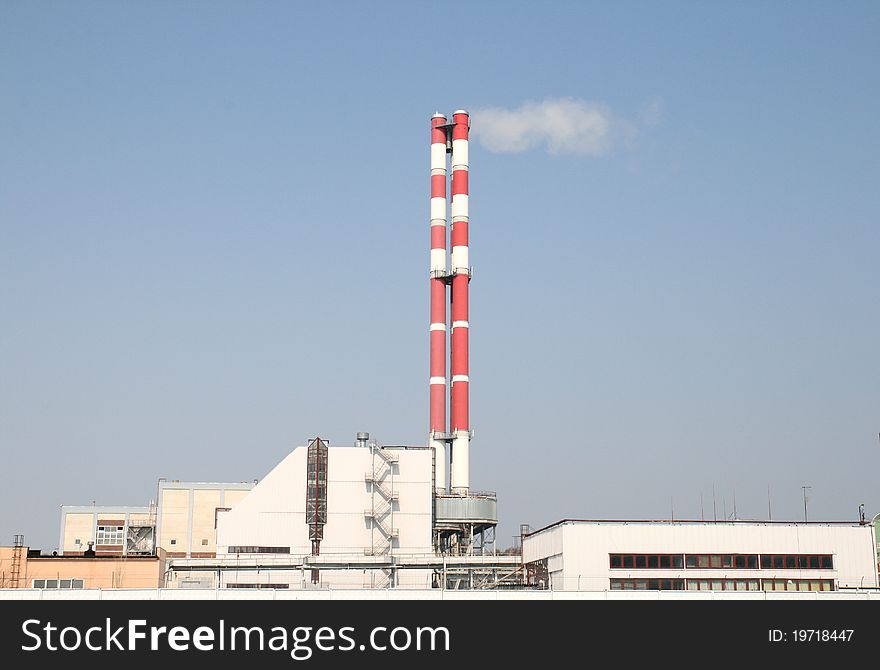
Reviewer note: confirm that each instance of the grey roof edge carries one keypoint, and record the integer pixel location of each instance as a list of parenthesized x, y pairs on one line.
[(695, 522)]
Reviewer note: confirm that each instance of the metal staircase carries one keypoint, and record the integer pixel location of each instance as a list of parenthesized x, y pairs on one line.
[(381, 511)]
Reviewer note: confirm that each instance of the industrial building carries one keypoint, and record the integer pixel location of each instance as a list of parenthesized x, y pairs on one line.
[(24, 568), (701, 556), (181, 521), (369, 515)]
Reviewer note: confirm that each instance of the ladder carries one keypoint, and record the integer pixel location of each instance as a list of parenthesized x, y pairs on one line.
[(17, 554)]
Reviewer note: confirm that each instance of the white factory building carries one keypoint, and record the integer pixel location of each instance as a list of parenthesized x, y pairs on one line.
[(701, 556), (365, 501)]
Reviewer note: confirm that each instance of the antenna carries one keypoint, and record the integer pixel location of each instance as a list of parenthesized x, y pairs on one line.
[(805, 488), (714, 507), (769, 506)]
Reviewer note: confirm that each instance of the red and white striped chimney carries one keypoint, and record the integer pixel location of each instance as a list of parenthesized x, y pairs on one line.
[(438, 299), (460, 272), (458, 276)]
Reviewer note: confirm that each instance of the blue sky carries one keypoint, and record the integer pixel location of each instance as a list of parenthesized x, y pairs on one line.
[(214, 245)]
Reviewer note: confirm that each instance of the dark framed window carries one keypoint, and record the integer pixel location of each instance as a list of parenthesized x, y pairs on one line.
[(646, 561), (258, 550), (797, 561)]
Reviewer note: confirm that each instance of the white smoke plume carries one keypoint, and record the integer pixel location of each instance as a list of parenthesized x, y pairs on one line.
[(558, 125)]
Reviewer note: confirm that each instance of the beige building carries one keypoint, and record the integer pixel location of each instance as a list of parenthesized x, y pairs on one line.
[(105, 529), (23, 568), (182, 522), (187, 515)]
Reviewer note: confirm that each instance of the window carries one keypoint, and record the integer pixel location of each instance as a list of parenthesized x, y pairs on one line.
[(173, 541), (647, 584), (258, 586), (111, 535), (797, 561), (723, 585), (719, 561), (58, 583), (78, 542), (204, 543), (259, 550), (798, 584), (646, 561)]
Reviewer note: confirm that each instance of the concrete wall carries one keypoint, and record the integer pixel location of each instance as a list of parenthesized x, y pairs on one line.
[(577, 553)]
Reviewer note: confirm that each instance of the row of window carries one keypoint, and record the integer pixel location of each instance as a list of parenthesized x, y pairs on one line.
[(797, 561), (58, 584), (647, 560), (798, 584), (647, 585), (719, 561), (735, 561), (257, 586), (722, 584), (259, 550)]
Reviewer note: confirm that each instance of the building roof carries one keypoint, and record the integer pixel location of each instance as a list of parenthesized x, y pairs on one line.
[(694, 522)]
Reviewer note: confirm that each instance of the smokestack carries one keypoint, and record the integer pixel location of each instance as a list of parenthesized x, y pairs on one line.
[(438, 299), (460, 278)]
